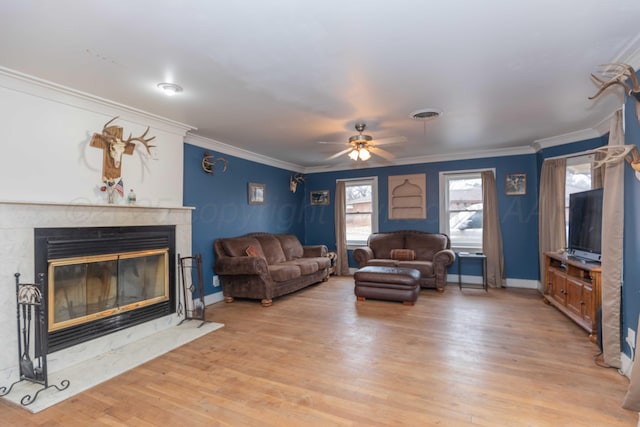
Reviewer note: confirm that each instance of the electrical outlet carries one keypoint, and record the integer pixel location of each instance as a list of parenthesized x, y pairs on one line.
[(216, 281), (631, 337)]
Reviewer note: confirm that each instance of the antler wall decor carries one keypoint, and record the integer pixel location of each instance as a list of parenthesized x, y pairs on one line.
[(209, 162), (615, 153), (113, 147), (294, 180), (618, 73)]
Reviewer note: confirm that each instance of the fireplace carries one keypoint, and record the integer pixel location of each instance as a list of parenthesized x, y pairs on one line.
[(99, 280)]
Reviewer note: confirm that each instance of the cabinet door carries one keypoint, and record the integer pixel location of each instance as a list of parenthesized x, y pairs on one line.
[(574, 296), (558, 283), (588, 312)]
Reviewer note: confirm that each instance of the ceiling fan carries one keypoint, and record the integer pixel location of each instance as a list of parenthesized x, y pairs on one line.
[(361, 146)]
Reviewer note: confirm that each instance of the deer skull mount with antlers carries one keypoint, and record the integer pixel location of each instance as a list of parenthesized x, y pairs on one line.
[(615, 153), (618, 73), (113, 147), (294, 180)]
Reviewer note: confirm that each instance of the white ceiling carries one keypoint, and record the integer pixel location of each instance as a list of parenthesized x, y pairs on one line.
[(275, 77)]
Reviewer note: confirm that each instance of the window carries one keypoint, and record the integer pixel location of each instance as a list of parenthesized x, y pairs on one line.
[(361, 216), (461, 209), (578, 177)]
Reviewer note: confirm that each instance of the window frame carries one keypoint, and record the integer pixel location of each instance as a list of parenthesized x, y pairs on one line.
[(443, 178), (373, 181), (573, 161)]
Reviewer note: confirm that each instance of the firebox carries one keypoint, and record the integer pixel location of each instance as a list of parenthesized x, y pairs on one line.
[(99, 280)]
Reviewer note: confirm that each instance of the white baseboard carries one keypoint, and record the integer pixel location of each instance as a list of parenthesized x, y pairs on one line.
[(213, 298), (626, 363), (524, 284), (511, 283)]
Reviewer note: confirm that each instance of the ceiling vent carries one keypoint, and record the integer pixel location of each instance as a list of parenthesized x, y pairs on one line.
[(425, 114)]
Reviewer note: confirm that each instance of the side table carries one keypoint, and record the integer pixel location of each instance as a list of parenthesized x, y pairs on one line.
[(332, 260), (468, 256)]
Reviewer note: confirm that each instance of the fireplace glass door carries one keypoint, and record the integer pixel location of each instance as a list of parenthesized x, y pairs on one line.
[(83, 289)]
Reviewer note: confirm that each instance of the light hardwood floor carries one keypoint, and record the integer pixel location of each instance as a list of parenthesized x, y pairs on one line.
[(319, 358)]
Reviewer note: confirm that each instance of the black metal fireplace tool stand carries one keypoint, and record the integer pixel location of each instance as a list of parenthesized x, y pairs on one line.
[(192, 289), (32, 307)]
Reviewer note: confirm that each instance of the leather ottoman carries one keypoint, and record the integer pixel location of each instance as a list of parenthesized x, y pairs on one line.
[(387, 283)]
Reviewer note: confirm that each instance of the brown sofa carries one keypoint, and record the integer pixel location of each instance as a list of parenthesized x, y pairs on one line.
[(277, 265), (429, 253)]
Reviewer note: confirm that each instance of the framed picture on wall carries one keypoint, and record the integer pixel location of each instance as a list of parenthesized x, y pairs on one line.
[(320, 197), (516, 184), (256, 193)]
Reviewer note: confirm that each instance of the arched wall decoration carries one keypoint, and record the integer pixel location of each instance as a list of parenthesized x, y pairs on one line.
[(407, 196)]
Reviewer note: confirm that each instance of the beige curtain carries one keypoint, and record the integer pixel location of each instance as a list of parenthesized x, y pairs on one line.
[(612, 236), (342, 259), (551, 218), (597, 174), (632, 398), (491, 234)]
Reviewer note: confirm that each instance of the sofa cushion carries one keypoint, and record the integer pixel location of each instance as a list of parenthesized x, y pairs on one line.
[(424, 267), (237, 246), (307, 266), (271, 248), (403, 254), (283, 272), (427, 245), (382, 262), (291, 246), (322, 261), (381, 244)]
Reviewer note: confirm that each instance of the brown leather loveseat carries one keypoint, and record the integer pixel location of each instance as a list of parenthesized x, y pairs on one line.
[(429, 253), (264, 265)]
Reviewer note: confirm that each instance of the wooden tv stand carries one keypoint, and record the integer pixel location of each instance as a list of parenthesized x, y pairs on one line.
[(574, 286)]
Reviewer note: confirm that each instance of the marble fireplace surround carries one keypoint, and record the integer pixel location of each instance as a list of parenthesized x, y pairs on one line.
[(17, 223)]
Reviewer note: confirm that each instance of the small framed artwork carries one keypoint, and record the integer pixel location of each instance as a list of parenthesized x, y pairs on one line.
[(516, 184), (256, 193), (320, 197)]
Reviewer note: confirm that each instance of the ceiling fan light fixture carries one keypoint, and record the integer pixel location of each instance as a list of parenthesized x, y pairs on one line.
[(425, 114), (360, 138), (364, 154), (170, 89), (353, 155)]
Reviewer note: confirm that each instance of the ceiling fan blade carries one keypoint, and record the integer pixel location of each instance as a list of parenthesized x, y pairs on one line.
[(331, 142), (339, 153), (390, 140), (382, 153)]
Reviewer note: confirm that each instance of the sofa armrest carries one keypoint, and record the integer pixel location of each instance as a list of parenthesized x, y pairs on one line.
[(314, 251), (444, 257), (362, 255), (241, 265)]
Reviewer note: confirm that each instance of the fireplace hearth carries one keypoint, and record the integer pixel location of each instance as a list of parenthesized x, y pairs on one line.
[(99, 280)]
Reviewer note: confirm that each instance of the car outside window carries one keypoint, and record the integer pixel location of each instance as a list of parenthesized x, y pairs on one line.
[(461, 209)]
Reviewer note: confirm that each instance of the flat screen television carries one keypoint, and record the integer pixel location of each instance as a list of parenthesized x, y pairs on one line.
[(585, 224)]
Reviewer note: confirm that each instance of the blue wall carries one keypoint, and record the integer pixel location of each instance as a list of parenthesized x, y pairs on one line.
[(222, 209), (631, 266), (518, 214)]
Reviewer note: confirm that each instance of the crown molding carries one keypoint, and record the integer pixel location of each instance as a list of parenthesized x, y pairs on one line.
[(34, 86), (630, 54), (468, 155), (221, 147), (567, 138)]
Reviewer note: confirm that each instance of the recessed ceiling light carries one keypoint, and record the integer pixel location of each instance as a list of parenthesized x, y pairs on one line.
[(170, 89), (425, 114)]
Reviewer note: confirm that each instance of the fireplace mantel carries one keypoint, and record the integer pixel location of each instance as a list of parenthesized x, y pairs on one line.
[(91, 205), (19, 219)]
